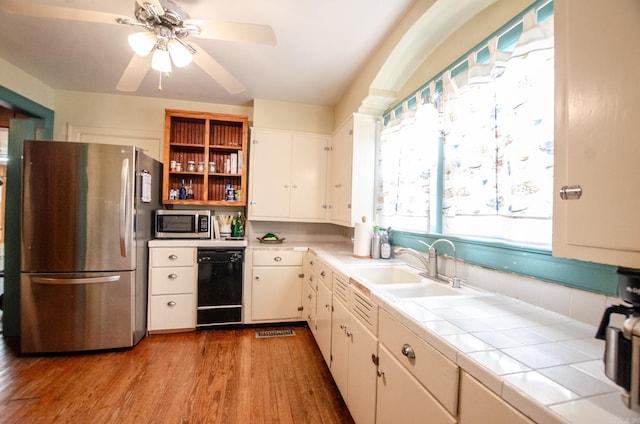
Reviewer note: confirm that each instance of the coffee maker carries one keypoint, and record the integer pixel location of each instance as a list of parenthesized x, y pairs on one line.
[(622, 347)]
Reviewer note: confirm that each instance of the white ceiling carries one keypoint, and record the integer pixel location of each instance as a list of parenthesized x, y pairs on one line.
[(321, 45)]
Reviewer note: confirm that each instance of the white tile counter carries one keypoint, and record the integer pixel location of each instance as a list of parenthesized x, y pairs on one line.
[(545, 364)]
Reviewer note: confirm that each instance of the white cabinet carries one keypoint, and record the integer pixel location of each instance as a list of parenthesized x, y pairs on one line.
[(354, 350), (172, 287), (401, 399), (596, 124), (276, 286), (318, 298), (352, 170), (479, 405), (426, 366), (288, 173)]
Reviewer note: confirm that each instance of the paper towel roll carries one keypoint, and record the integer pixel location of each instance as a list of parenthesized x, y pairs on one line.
[(362, 240)]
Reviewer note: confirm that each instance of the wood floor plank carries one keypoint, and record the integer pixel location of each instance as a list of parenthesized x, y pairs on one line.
[(219, 376)]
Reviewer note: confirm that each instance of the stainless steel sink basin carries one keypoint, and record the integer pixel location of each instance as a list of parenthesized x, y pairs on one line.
[(395, 274)]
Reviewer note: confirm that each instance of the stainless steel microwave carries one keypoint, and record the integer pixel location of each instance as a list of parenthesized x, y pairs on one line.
[(183, 224)]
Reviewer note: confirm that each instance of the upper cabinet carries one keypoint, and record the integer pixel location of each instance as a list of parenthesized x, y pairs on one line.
[(352, 170), (288, 173), (211, 150), (596, 148)]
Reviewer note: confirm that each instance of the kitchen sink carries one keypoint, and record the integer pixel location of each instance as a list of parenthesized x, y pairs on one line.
[(396, 274), (428, 289)]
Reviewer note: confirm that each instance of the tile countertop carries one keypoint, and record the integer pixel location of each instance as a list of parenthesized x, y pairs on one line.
[(545, 364)]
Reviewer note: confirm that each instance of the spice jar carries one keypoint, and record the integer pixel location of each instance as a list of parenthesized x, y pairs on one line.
[(191, 166), (212, 167), (201, 167)]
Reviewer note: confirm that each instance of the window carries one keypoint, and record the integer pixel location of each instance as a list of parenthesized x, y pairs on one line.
[(471, 152)]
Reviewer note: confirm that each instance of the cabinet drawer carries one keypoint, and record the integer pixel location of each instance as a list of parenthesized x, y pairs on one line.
[(324, 273), (172, 256), (432, 369), (172, 312), (277, 258), (173, 280)]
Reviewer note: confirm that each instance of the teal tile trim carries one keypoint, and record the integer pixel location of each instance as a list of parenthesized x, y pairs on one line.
[(522, 260), (25, 105)]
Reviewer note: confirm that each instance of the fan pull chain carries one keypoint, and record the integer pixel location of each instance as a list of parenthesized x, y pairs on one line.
[(160, 80)]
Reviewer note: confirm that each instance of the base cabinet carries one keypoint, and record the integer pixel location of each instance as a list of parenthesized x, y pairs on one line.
[(353, 354), (401, 399), (479, 405), (276, 286), (172, 288)]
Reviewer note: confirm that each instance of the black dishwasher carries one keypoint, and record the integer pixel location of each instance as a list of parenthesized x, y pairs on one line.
[(219, 287)]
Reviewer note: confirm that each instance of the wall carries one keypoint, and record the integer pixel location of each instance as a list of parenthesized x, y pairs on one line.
[(300, 117), (24, 84)]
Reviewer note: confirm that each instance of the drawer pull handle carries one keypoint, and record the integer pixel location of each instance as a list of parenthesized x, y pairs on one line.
[(323, 274), (171, 303), (172, 276), (408, 351), (380, 373), (173, 257), (277, 259)]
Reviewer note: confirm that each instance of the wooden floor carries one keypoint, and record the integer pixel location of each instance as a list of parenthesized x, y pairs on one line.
[(220, 376)]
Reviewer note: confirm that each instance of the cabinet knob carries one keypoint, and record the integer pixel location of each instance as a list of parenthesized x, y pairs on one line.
[(171, 303), (570, 192), (277, 259), (256, 278), (380, 373), (172, 276), (173, 257), (408, 351), (323, 274), (309, 297), (295, 186)]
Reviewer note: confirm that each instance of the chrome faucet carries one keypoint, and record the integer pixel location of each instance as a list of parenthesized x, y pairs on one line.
[(433, 261), (420, 256)]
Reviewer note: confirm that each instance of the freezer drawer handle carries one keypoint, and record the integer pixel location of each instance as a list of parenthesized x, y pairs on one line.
[(90, 280)]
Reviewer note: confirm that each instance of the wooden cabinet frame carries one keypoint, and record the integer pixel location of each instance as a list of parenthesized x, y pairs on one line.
[(205, 137)]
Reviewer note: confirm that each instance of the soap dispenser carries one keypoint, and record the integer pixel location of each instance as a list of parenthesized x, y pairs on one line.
[(385, 247)]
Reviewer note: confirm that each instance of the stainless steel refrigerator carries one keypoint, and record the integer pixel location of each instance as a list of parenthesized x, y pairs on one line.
[(87, 212)]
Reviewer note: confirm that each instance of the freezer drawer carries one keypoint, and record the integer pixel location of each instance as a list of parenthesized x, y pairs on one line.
[(77, 312)]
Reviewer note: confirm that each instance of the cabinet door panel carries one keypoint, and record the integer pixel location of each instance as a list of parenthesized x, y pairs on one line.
[(270, 174), (362, 376), (340, 346), (276, 293), (596, 131), (308, 176), (323, 323)]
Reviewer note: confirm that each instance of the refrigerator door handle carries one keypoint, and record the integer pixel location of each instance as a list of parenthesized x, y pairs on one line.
[(124, 196), (89, 280)]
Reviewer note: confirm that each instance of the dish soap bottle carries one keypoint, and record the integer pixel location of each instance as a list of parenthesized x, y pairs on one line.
[(385, 247)]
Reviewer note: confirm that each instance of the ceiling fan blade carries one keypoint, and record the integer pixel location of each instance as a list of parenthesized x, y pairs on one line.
[(235, 31), (134, 73), (155, 3), (55, 12), (216, 71)]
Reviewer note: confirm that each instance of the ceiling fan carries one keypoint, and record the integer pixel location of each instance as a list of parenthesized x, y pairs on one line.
[(163, 40)]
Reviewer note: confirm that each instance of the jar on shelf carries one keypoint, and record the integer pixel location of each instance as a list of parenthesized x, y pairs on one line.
[(200, 166), (212, 167), (178, 167), (191, 166)]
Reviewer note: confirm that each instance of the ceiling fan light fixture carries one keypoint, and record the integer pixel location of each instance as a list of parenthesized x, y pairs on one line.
[(161, 61), (142, 43), (180, 55)]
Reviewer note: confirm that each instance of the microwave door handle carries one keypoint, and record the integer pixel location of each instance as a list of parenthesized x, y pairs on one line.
[(124, 192), (89, 280)]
